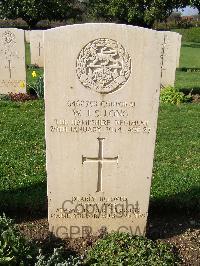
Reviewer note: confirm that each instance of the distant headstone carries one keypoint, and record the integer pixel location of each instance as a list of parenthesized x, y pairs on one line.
[(179, 37), (102, 84), (27, 36), (37, 47), (12, 63), (170, 59)]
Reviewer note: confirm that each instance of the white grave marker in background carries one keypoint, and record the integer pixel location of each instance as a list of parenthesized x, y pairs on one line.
[(37, 47), (171, 55), (12, 64)]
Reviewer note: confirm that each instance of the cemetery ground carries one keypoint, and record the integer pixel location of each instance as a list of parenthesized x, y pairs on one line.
[(187, 75), (174, 205)]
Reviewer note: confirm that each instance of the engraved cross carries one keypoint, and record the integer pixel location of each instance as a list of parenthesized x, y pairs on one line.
[(40, 47), (100, 160), (9, 68)]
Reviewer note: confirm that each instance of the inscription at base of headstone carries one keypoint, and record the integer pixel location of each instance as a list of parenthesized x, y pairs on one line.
[(37, 47), (102, 84), (12, 65)]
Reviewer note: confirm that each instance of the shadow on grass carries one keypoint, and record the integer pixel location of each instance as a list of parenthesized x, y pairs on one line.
[(192, 45), (171, 216), (189, 69), (194, 90), (26, 203), (188, 201)]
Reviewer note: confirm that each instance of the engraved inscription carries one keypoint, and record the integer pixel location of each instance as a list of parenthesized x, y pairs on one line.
[(100, 160), (12, 84), (98, 207), (103, 65), (88, 116)]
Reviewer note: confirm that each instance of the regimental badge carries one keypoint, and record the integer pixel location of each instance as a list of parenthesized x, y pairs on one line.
[(8, 38), (103, 65)]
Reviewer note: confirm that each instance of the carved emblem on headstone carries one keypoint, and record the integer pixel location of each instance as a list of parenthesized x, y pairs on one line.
[(8, 38), (8, 43), (103, 65)]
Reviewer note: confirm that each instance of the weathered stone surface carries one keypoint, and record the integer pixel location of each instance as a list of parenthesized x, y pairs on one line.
[(171, 55), (37, 47), (102, 84), (12, 64)]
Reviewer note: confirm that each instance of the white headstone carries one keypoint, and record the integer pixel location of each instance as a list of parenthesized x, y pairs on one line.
[(178, 49), (102, 84), (170, 59), (12, 64), (37, 47)]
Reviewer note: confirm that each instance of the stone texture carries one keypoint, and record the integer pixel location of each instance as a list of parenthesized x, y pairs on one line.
[(171, 55), (12, 65), (37, 47), (102, 84)]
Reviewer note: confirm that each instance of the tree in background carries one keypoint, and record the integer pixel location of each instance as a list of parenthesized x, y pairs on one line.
[(136, 12), (175, 16), (32, 11), (195, 4)]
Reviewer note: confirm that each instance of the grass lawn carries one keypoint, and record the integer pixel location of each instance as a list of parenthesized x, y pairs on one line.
[(187, 81), (190, 55), (177, 159), (22, 159), (190, 58)]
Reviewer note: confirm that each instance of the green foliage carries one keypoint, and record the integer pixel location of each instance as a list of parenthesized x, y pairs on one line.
[(190, 35), (4, 97), (14, 249), (141, 13), (38, 87), (58, 258), (176, 25), (195, 4), (124, 249), (33, 11), (172, 95)]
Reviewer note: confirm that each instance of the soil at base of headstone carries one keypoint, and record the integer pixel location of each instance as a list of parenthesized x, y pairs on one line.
[(182, 230)]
